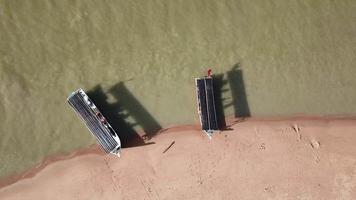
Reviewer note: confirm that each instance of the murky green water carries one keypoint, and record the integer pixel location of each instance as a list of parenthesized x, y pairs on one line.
[(295, 57)]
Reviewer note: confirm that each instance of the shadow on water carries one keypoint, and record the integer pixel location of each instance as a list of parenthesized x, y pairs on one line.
[(126, 105), (219, 83), (117, 114), (238, 95), (238, 92), (135, 109)]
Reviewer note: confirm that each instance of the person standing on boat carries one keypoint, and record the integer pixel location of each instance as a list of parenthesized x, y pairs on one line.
[(210, 72)]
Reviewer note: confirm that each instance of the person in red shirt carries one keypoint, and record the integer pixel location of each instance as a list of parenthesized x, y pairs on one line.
[(210, 72)]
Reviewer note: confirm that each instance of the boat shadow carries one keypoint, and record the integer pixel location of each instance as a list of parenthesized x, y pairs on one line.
[(117, 113), (136, 110), (125, 106), (238, 92), (232, 81)]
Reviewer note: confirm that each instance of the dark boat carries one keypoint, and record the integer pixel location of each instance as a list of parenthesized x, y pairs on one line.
[(206, 104), (95, 121)]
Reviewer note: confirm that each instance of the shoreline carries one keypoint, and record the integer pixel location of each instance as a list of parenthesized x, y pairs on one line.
[(31, 172), (95, 149)]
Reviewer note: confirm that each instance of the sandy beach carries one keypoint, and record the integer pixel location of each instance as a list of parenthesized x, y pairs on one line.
[(299, 158)]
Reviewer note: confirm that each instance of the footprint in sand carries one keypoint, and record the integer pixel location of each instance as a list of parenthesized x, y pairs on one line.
[(315, 144), (263, 146), (296, 128)]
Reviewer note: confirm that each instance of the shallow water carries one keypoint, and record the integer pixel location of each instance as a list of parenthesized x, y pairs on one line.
[(141, 57)]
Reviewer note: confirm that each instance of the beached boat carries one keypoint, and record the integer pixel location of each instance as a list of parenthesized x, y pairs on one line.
[(95, 121), (206, 104)]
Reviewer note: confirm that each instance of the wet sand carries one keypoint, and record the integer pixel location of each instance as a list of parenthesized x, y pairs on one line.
[(299, 158)]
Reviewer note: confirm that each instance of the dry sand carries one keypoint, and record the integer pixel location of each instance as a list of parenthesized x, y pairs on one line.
[(258, 159)]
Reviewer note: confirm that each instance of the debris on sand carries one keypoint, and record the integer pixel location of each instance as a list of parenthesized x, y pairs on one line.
[(169, 147)]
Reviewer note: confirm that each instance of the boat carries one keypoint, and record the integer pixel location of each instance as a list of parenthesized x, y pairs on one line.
[(206, 104), (95, 122)]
